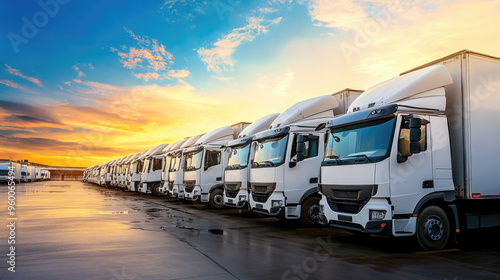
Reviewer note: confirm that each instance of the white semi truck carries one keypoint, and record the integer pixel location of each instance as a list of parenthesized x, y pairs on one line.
[(137, 167), (24, 173), (204, 166), (151, 173), (126, 183), (166, 165), (5, 165), (240, 153), (176, 170), (414, 154), (287, 158)]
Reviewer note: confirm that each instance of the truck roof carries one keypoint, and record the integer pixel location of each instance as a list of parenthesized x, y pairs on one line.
[(313, 108), (259, 125), (219, 136), (415, 90), (459, 53)]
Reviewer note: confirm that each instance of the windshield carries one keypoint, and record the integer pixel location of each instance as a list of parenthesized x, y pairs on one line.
[(238, 158), (193, 160), (270, 152), (360, 143)]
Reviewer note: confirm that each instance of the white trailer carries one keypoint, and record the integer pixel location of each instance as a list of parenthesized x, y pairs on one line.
[(176, 167), (31, 174), (151, 173), (413, 155), (38, 174), (285, 169), (239, 153), (203, 168), (14, 168)]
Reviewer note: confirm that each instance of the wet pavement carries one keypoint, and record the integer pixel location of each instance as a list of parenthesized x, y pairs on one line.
[(72, 230)]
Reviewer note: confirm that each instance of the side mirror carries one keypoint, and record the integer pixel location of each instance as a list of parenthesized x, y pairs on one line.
[(411, 145), (300, 147), (415, 135)]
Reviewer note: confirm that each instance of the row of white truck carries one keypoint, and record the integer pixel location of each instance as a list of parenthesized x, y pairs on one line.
[(414, 155), (22, 172)]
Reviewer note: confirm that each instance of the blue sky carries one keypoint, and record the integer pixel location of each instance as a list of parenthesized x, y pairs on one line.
[(101, 79)]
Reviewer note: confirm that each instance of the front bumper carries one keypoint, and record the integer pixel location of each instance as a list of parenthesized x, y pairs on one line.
[(238, 201), (358, 222)]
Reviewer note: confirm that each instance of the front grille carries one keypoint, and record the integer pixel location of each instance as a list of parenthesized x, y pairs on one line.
[(189, 185), (348, 198), (232, 189), (345, 194), (262, 191), (4, 172)]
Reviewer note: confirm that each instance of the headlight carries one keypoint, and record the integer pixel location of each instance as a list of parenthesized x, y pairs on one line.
[(377, 214), (276, 203), (242, 197)]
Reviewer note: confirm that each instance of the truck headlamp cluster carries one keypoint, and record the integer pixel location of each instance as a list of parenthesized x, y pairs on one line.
[(377, 214), (276, 203)]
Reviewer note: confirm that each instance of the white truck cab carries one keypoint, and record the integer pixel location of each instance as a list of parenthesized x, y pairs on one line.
[(240, 153), (151, 172), (285, 168), (204, 166), (176, 171), (409, 157), (164, 189)]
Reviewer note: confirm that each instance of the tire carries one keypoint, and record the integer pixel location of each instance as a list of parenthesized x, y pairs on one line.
[(433, 229), (310, 212), (155, 189), (216, 200)]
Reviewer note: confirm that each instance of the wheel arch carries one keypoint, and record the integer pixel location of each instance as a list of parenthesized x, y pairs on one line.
[(312, 192), (441, 200)]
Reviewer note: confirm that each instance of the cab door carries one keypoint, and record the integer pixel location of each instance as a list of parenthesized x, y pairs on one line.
[(412, 179)]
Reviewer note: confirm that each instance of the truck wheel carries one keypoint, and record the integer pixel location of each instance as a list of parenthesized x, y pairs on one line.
[(310, 211), (216, 199), (433, 228), (156, 189)]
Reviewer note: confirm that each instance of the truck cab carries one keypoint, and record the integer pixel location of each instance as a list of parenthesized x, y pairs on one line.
[(204, 166), (389, 168), (239, 153), (176, 171), (151, 172), (166, 165)]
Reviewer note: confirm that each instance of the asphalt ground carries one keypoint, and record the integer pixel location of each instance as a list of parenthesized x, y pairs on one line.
[(75, 230)]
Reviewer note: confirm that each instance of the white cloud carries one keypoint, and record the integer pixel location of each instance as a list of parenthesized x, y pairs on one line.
[(18, 73), (283, 84), (219, 57)]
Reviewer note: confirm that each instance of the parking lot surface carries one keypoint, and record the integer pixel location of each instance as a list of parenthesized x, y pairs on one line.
[(75, 230)]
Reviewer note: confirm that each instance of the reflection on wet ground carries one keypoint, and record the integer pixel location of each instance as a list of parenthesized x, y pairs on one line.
[(72, 230)]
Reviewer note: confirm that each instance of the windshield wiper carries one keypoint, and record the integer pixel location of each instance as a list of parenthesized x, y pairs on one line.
[(336, 158), (360, 155), (263, 163), (236, 166)]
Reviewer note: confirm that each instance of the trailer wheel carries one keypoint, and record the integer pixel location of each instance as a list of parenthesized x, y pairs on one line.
[(156, 189), (216, 199), (310, 211), (433, 228)]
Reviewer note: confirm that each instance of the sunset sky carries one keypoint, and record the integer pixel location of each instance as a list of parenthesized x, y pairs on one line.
[(84, 82)]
